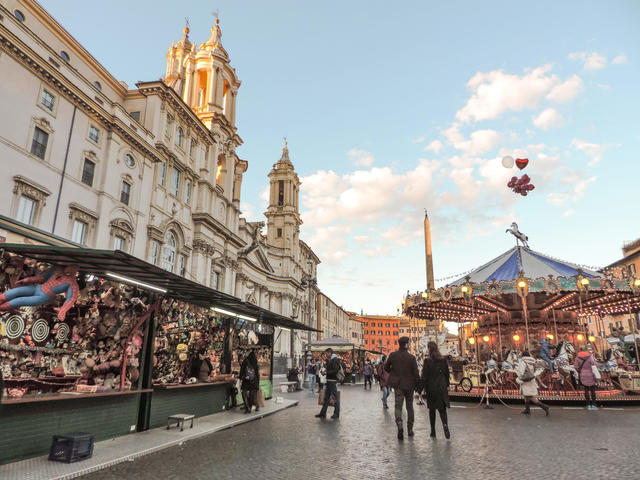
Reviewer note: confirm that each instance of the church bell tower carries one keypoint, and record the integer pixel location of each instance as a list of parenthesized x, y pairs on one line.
[(283, 216)]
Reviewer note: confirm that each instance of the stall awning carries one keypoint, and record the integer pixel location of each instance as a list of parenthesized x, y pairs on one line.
[(104, 262)]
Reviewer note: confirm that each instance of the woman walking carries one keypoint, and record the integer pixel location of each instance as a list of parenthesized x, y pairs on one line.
[(435, 382), (584, 364), (525, 371), (250, 375)]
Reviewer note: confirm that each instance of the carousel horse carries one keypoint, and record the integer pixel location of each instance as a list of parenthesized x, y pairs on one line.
[(564, 366), (511, 360), (612, 355), (492, 373)]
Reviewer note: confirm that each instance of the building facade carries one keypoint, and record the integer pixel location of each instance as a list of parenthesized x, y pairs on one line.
[(415, 329), (333, 320), (381, 332), (356, 329), (151, 170)]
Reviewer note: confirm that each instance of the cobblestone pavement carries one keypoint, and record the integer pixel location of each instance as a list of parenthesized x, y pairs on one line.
[(499, 443)]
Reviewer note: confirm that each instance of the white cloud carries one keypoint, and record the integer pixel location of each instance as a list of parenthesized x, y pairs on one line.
[(593, 150), (435, 146), (362, 239), (580, 187), (496, 92), (479, 142), (418, 140), (558, 198), (547, 119), (567, 90), (569, 212), (378, 251), (397, 235), (620, 59), (330, 242), (248, 211), (360, 158), (591, 60)]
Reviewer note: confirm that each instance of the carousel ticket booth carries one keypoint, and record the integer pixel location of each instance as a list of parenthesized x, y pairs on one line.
[(103, 342)]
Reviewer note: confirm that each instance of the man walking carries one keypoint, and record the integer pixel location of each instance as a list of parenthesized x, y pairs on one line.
[(403, 377), (367, 371), (333, 367)]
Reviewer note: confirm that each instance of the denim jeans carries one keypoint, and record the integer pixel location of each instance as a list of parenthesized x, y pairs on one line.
[(311, 378), (385, 394), (331, 389)]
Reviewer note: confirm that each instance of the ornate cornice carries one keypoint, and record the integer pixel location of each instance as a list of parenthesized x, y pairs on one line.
[(24, 186)]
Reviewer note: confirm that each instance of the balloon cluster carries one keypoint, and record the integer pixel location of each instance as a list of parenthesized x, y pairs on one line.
[(520, 185)]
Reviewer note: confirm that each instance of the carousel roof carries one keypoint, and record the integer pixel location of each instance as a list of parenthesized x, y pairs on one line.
[(534, 265)]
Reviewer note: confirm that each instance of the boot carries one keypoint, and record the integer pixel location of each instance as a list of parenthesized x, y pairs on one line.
[(546, 410), (433, 434), (400, 433), (447, 435), (410, 429), (526, 411)]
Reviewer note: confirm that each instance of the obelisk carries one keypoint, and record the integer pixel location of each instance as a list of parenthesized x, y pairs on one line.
[(428, 253)]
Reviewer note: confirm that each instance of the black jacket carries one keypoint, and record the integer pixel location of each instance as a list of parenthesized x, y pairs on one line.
[(333, 366), (435, 382), (246, 383)]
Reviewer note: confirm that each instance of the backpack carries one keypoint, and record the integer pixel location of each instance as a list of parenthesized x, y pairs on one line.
[(250, 374), (340, 374), (527, 375)]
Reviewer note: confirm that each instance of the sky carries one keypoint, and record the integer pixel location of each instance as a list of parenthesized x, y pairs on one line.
[(392, 110)]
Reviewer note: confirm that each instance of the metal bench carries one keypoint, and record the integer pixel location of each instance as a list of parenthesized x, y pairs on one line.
[(291, 386), (179, 418)]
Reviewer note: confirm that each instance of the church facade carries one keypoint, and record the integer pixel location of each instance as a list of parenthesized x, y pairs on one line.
[(151, 170)]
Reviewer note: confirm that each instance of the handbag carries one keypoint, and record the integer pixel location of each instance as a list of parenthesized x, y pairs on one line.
[(331, 400), (260, 398), (596, 372)]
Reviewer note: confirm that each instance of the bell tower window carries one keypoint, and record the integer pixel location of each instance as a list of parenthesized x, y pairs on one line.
[(280, 193)]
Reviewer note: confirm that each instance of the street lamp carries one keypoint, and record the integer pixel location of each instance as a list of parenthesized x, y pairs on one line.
[(309, 282)]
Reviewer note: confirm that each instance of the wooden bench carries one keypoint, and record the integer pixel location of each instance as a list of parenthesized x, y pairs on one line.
[(179, 418), (290, 386)]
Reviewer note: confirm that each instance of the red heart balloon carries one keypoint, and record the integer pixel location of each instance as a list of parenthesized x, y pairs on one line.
[(522, 162)]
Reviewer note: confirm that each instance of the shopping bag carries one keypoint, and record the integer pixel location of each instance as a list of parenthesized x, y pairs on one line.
[(260, 398)]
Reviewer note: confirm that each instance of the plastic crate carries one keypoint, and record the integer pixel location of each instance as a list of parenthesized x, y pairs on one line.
[(71, 447)]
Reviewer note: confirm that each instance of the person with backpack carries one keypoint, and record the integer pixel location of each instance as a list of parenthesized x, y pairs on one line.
[(383, 379), (587, 367), (526, 377), (250, 375), (404, 378), (335, 374)]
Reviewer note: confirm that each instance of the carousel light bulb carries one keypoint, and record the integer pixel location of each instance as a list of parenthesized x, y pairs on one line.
[(637, 282), (464, 289), (424, 294), (550, 336), (516, 337), (472, 341), (592, 338), (522, 284), (584, 281), (580, 337), (486, 338)]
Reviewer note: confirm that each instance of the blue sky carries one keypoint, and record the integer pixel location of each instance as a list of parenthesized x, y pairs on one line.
[(389, 110)]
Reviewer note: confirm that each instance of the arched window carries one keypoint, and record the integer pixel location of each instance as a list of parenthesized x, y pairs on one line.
[(169, 251), (180, 136)]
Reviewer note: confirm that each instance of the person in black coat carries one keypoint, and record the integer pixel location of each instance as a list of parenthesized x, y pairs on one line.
[(250, 377), (435, 382)]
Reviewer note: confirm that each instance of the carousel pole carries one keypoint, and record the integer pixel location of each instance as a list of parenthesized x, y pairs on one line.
[(499, 335), (555, 325), (634, 330), (526, 321)]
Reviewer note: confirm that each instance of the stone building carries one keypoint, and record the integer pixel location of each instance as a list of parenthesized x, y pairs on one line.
[(380, 332), (151, 170), (333, 320)]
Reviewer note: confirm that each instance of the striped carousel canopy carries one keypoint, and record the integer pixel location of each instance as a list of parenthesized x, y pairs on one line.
[(534, 265)]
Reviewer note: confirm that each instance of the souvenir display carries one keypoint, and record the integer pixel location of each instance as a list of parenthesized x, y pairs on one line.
[(249, 336), (189, 344), (50, 344)]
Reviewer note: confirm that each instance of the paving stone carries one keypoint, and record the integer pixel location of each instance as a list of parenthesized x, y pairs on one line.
[(499, 443)]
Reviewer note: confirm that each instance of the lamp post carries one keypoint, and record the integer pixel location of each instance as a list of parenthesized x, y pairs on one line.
[(310, 282)]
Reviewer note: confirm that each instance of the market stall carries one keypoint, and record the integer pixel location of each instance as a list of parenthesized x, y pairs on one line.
[(113, 345), (352, 356)]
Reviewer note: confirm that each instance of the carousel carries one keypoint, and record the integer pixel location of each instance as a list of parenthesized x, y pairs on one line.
[(525, 300)]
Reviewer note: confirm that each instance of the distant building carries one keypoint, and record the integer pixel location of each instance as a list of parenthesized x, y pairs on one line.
[(415, 329), (380, 332), (356, 329), (333, 320)]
